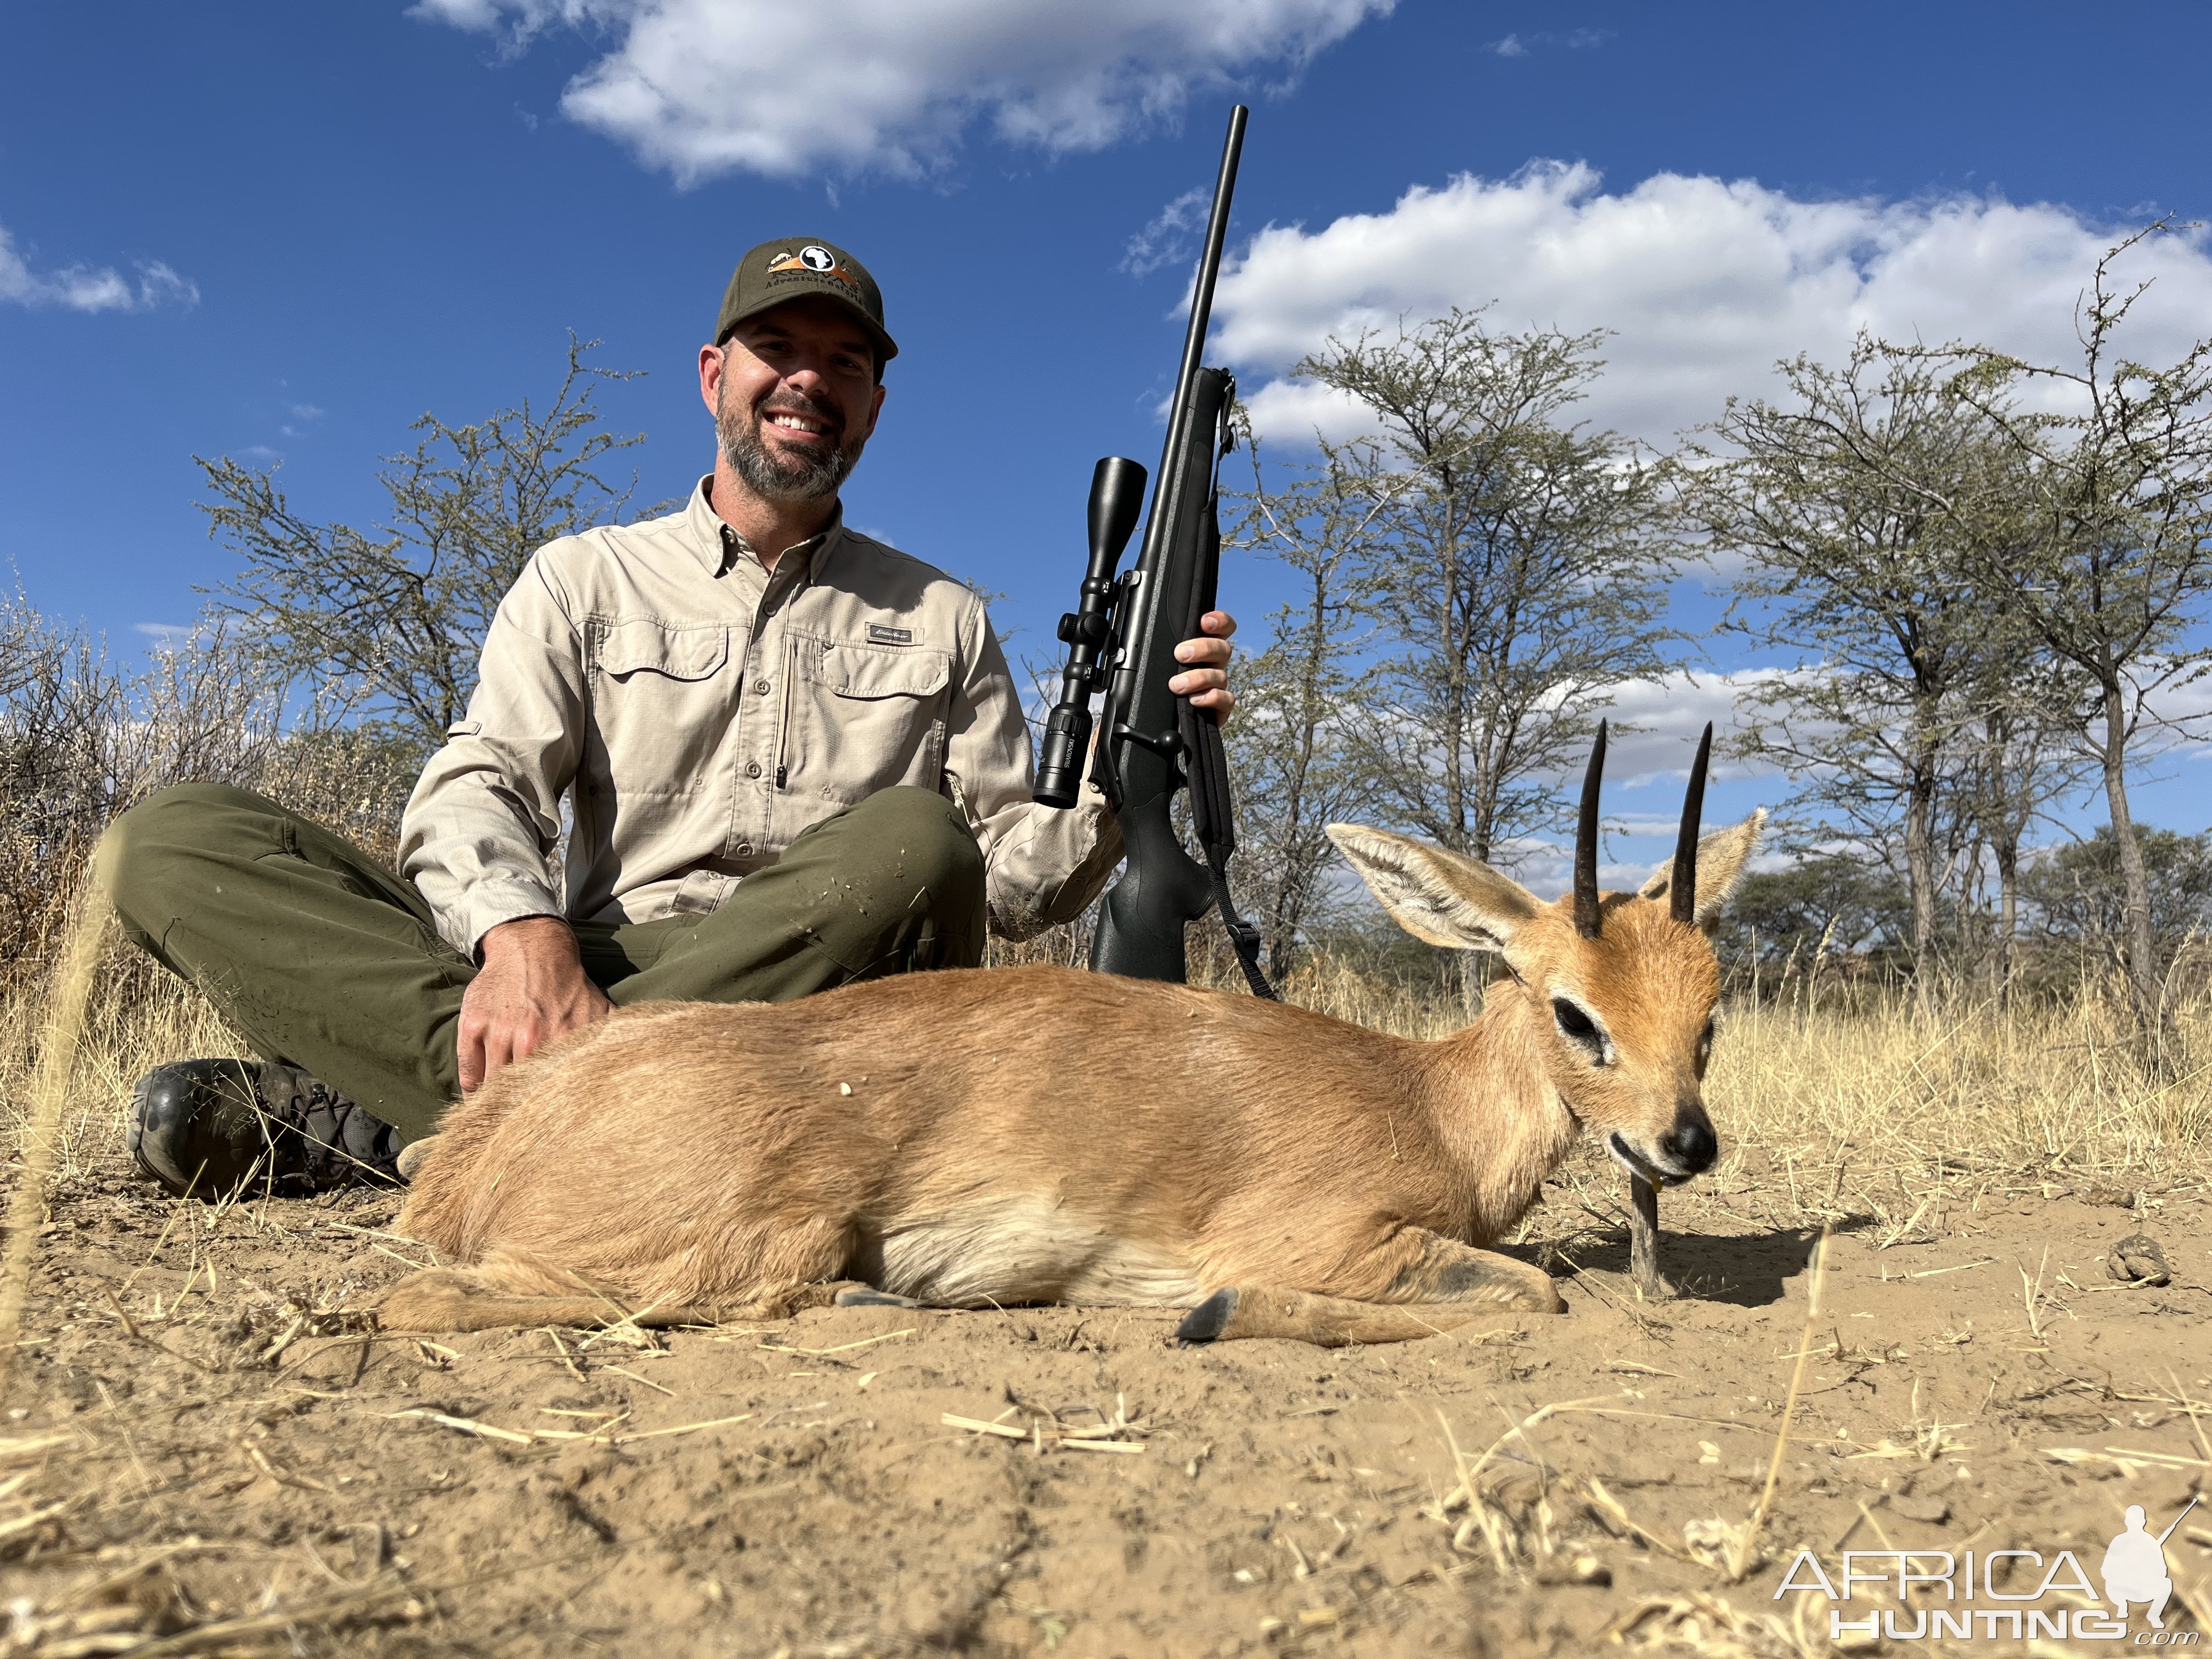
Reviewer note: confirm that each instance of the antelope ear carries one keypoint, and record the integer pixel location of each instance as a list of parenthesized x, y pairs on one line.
[(1723, 858), (1444, 898)]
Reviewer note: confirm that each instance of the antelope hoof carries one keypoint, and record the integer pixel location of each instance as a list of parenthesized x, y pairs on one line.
[(861, 1296), (1205, 1323)]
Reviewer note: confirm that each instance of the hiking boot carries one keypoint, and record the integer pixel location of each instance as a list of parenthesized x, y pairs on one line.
[(206, 1126)]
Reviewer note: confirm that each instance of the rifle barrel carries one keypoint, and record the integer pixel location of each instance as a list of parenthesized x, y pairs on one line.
[(2177, 1520), (1201, 299)]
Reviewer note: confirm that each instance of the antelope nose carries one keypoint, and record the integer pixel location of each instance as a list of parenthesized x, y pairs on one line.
[(1693, 1145)]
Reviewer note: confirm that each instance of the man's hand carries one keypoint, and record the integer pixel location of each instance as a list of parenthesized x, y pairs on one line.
[(1208, 686), (531, 989)]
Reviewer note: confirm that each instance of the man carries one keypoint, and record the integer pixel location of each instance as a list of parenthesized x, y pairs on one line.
[(793, 757), (2134, 1567)]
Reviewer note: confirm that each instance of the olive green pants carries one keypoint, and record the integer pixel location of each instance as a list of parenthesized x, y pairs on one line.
[(322, 958)]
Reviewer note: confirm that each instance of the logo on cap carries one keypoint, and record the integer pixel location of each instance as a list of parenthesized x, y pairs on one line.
[(814, 259)]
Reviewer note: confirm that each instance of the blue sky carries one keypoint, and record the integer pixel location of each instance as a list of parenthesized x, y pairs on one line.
[(276, 231)]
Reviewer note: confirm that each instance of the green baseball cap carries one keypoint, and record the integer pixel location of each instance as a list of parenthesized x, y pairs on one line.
[(793, 267)]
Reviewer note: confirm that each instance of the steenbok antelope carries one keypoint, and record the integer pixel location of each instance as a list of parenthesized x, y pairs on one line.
[(1009, 1136)]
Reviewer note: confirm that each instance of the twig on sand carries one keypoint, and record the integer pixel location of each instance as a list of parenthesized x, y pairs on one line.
[(1104, 1436), (1071, 1439), (562, 1348), (470, 1425), (635, 1377), (2129, 1462), (1742, 1554), (606, 1435), (1498, 1531), (680, 1428), (842, 1347), (2030, 1293), (1613, 1511)]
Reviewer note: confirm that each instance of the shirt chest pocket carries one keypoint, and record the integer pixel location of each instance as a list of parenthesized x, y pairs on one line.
[(663, 695), (865, 717)]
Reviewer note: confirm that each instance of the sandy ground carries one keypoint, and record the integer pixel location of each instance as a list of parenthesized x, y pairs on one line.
[(222, 1455)]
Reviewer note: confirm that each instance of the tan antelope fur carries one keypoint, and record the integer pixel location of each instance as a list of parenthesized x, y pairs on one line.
[(996, 1137)]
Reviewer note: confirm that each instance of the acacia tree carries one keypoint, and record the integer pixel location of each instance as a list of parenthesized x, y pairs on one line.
[(400, 612), (2112, 563), (1303, 699), (2023, 709), (1507, 556), (2082, 896), (1853, 506)]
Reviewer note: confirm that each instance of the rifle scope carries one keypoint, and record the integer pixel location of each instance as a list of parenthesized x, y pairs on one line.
[(1117, 496)]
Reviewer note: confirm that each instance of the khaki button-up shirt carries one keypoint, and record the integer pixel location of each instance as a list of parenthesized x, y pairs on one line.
[(699, 712)]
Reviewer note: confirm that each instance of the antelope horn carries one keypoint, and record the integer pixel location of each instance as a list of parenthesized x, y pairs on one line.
[(1682, 888), (1587, 920)]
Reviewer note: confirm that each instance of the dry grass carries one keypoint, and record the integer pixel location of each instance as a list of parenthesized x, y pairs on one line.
[(1891, 1086), (1860, 1094), (1880, 1084), (38, 1143), (138, 1017)]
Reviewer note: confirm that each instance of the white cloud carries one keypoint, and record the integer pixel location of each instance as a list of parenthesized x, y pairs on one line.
[(79, 287), (1516, 45), (708, 87), (1706, 283), (1668, 713), (1166, 240)]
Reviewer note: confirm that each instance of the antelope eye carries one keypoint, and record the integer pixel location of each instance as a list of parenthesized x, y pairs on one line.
[(1579, 1029)]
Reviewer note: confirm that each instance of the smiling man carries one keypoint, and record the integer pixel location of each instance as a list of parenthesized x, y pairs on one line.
[(792, 756)]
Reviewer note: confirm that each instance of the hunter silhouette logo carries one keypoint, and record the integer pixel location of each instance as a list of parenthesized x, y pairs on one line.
[(2134, 1567), (813, 258)]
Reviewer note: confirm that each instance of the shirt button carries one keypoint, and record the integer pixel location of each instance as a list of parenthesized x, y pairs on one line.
[(745, 849), (752, 768), (760, 688)]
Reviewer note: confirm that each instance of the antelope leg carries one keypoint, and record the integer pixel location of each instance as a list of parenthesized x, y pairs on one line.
[(1442, 1269), (1326, 1321), (1440, 1286), (1644, 1241), (867, 1296)]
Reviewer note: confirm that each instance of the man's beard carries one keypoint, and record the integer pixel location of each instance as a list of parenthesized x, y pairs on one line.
[(784, 477)]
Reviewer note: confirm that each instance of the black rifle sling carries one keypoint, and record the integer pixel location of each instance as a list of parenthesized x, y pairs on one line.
[(1213, 815)]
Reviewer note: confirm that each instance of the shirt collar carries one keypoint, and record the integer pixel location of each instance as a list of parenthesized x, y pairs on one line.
[(719, 547)]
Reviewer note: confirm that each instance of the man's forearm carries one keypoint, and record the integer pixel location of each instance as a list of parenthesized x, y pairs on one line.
[(543, 939)]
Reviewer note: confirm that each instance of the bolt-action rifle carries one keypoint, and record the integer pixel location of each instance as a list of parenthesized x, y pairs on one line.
[(1121, 638)]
